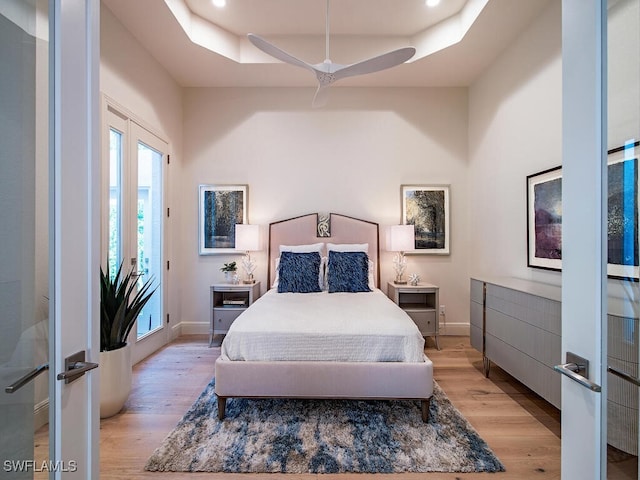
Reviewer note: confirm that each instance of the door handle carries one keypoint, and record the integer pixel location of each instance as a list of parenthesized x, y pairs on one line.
[(577, 369), (22, 381), (75, 367), (135, 273), (624, 376)]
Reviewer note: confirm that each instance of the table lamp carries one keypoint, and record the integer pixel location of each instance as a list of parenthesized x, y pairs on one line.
[(248, 239), (402, 239)]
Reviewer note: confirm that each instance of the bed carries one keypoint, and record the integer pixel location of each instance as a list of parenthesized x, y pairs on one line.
[(324, 345)]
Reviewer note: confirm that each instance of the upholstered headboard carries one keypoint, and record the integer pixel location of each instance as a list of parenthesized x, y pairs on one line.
[(315, 228)]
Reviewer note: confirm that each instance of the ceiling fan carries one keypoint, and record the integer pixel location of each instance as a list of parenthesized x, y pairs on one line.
[(328, 72)]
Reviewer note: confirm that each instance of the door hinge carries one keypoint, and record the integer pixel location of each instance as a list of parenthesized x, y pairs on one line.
[(168, 212), (168, 159), (167, 318), (168, 265)]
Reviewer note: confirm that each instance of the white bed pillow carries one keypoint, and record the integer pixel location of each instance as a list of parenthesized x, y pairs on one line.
[(348, 247), (313, 247), (372, 281)]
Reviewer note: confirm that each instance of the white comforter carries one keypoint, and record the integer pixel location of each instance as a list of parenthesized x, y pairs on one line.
[(348, 327)]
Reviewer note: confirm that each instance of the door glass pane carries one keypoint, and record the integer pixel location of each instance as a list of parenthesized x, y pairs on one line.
[(623, 327), (24, 234), (149, 233), (115, 200)]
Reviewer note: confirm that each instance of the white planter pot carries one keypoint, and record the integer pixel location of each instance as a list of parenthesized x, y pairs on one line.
[(231, 277), (115, 380)]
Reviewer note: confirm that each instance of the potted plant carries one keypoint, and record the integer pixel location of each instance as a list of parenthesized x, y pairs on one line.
[(121, 302), (229, 270)]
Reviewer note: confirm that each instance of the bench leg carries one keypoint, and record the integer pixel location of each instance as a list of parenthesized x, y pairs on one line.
[(425, 409), (222, 406)]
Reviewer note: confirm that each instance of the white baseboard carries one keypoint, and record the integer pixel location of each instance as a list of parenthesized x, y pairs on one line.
[(194, 328), (176, 331), (458, 329), (40, 414)]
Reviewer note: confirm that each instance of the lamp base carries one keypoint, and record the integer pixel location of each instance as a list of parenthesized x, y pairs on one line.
[(248, 282), (400, 282)]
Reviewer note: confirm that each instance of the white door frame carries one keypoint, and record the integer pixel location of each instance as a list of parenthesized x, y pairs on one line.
[(75, 235), (584, 233)]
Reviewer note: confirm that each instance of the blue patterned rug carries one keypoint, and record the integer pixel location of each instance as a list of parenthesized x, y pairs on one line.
[(323, 436)]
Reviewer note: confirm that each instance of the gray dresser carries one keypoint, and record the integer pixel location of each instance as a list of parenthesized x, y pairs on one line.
[(622, 396), (516, 324)]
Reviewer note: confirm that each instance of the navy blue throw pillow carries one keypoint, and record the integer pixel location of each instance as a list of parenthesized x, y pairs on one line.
[(348, 272), (299, 272)]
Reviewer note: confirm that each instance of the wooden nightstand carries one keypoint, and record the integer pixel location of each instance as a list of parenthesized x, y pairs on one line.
[(227, 302), (421, 304)]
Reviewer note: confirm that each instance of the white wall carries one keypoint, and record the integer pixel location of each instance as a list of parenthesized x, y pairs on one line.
[(136, 81), (515, 130), (350, 157), (624, 74)]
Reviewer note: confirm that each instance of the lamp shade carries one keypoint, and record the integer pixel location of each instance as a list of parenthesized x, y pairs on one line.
[(247, 237), (402, 238)]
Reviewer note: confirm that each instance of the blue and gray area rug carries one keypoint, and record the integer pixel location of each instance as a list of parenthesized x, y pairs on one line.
[(323, 436)]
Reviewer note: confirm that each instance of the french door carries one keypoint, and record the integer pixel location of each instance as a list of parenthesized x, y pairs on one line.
[(600, 288), (135, 213)]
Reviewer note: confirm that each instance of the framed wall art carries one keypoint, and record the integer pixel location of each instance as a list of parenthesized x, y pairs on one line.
[(622, 219), (221, 208), (544, 217), (426, 207)]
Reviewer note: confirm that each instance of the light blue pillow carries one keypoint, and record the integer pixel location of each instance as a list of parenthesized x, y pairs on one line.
[(348, 272), (299, 272)]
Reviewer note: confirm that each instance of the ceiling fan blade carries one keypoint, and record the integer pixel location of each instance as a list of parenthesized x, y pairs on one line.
[(321, 97), (375, 64), (278, 53)]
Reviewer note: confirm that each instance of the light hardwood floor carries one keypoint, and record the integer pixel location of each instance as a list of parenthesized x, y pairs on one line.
[(521, 428)]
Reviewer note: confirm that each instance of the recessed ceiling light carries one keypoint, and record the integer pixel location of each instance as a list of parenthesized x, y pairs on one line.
[(219, 3), (432, 3)]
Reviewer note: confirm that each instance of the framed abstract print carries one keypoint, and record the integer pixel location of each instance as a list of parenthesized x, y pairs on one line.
[(622, 216), (221, 208), (426, 207), (544, 219)]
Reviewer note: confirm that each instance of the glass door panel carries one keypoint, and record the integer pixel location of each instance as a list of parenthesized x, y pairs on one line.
[(622, 322), (149, 233), (24, 236), (116, 154)]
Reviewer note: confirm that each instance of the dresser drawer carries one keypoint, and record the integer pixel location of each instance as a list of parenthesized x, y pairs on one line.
[(223, 318), (426, 321)]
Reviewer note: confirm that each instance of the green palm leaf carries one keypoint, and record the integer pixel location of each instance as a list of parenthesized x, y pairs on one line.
[(118, 310)]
